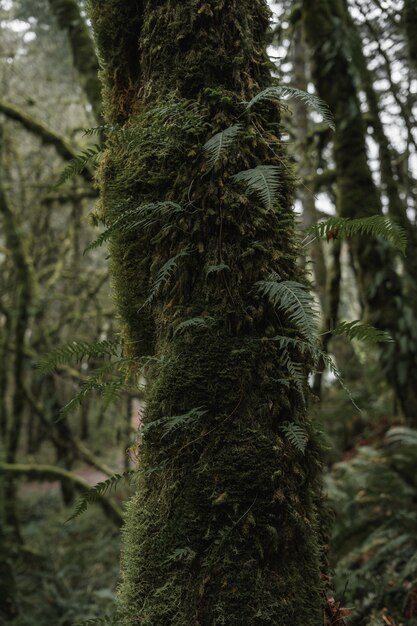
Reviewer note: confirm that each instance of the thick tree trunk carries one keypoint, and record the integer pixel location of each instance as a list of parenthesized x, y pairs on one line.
[(381, 288), (224, 528)]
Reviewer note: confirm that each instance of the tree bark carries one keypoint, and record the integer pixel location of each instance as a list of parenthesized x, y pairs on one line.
[(225, 527)]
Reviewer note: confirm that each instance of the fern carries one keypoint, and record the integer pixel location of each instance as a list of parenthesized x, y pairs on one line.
[(264, 181), (296, 435), (282, 93), (77, 166), (215, 269), (374, 226), (402, 436), (295, 301), (164, 275), (144, 216), (194, 322), (171, 423), (181, 554), (76, 351), (97, 130), (101, 489), (216, 146), (362, 332)]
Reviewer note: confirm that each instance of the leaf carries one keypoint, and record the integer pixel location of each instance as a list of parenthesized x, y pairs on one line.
[(295, 301), (296, 435), (194, 322), (164, 275), (77, 166), (362, 332), (175, 421), (215, 269), (75, 351), (264, 181), (216, 146), (101, 489), (374, 226), (141, 217), (284, 92)]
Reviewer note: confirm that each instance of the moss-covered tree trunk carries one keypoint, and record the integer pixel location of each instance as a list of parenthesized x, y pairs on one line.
[(381, 287), (225, 525)]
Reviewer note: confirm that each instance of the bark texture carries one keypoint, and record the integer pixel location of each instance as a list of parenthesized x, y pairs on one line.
[(225, 526)]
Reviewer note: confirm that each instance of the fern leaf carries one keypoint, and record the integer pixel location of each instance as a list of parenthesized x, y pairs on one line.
[(97, 621), (285, 92), (97, 130), (164, 275), (173, 422), (101, 489), (264, 181), (77, 166), (362, 332), (296, 435), (75, 351), (215, 269), (295, 301), (144, 216), (216, 146), (373, 226), (402, 436), (194, 322)]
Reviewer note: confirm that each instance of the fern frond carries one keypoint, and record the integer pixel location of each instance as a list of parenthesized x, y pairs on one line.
[(77, 166), (110, 391), (362, 332), (296, 435), (97, 130), (373, 226), (164, 275), (101, 489), (216, 146), (194, 322), (402, 436), (295, 301), (173, 422), (76, 351), (144, 216), (264, 181), (215, 269), (285, 92), (181, 554)]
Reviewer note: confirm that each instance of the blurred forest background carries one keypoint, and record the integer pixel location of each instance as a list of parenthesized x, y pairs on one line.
[(67, 424)]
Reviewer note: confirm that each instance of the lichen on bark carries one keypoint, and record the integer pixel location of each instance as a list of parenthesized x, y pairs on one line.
[(225, 527)]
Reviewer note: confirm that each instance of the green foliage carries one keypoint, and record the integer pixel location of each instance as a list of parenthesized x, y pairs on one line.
[(142, 217), (295, 301), (296, 435), (100, 489), (375, 537), (218, 144), (77, 351), (164, 275), (264, 181), (284, 92), (362, 332), (194, 322), (78, 165), (170, 424), (374, 226), (215, 269)]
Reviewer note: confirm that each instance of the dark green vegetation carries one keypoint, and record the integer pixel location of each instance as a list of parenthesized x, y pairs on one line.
[(198, 162), (224, 493)]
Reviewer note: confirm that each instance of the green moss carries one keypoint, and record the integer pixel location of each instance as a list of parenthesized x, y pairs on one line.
[(225, 527)]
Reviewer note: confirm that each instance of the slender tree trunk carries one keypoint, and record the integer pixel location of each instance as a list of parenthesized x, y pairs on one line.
[(380, 285), (410, 22), (224, 528)]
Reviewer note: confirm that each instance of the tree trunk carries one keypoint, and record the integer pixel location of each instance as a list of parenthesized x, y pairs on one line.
[(224, 528), (380, 285)]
